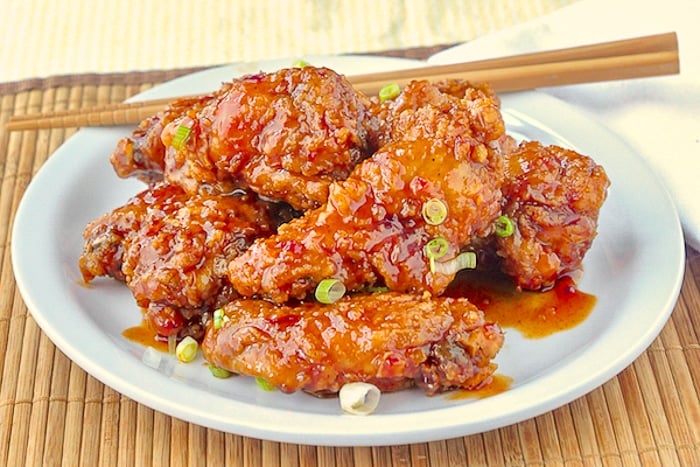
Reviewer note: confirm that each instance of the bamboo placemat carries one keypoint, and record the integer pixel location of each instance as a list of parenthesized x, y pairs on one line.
[(52, 412)]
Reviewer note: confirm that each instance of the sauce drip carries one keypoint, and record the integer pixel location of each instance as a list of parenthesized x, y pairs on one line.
[(145, 336), (534, 314)]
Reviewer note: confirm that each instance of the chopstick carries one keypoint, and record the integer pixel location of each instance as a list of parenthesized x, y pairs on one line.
[(639, 57)]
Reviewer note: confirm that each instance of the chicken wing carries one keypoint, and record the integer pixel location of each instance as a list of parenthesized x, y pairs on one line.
[(172, 250), (553, 197), (391, 340), (285, 135), (372, 231), (142, 154)]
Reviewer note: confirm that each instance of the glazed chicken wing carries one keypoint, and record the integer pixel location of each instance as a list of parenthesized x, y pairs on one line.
[(390, 340), (172, 251), (142, 154), (285, 135), (372, 230), (553, 196)]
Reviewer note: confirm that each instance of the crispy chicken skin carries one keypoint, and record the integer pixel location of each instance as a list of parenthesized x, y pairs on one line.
[(371, 230), (285, 135), (553, 195), (391, 340), (172, 250), (465, 108)]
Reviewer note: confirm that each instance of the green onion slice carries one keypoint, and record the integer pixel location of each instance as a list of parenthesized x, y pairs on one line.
[(300, 64), (436, 248), (329, 291), (504, 226), (264, 384), (218, 318), (181, 135), (186, 350), (390, 91), (465, 260), (219, 372), (434, 211)]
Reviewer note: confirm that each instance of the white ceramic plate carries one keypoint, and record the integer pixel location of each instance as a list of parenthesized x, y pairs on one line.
[(634, 268)]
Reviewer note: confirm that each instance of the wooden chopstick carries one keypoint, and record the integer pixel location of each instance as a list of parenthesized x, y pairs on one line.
[(630, 58)]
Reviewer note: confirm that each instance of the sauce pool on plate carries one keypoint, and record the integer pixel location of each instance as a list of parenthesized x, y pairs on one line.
[(534, 314)]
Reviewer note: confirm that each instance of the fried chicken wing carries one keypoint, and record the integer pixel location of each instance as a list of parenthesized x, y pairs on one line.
[(172, 250), (371, 231), (553, 196), (142, 154), (391, 340), (285, 135)]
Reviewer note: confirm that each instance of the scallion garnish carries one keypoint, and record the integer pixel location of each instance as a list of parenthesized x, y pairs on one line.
[(181, 135), (434, 211), (186, 350), (300, 64), (436, 248), (264, 384), (504, 226), (390, 91), (465, 260), (219, 372), (329, 291), (218, 318)]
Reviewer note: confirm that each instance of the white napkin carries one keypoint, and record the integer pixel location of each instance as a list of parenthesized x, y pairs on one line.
[(659, 117)]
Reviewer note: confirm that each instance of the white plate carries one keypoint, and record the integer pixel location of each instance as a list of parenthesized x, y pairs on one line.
[(634, 268)]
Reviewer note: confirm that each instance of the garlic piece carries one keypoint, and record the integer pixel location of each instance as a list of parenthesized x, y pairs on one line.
[(359, 398)]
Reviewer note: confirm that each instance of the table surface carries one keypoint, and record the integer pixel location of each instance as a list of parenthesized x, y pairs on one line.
[(649, 414)]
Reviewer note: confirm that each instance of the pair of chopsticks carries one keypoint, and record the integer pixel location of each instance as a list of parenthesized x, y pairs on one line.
[(625, 59)]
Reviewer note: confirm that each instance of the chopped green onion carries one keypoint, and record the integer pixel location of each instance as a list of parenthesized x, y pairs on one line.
[(329, 291), (219, 372), (172, 343), (186, 350), (264, 384), (434, 211), (465, 260), (436, 248), (181, 135), (390, 91), (300, 64), (504, 226), (218, 318)]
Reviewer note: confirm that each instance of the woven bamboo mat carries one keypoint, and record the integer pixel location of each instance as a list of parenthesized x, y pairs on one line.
[(52, 412)]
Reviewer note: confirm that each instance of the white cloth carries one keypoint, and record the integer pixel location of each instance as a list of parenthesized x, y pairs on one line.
[(659, 117)]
